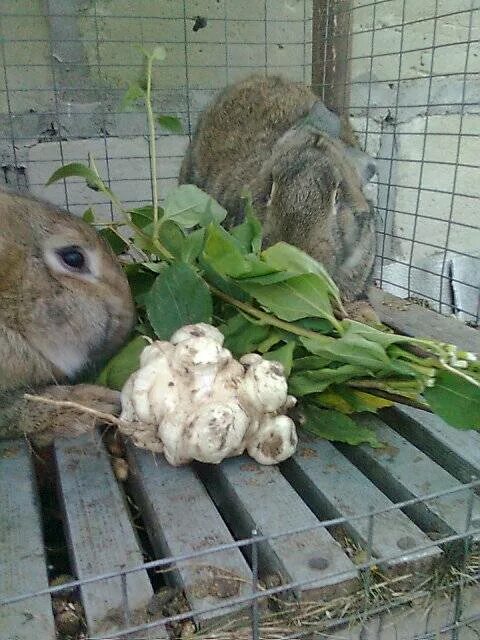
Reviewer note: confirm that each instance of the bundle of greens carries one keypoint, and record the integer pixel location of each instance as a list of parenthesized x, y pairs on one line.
[(184, 268)]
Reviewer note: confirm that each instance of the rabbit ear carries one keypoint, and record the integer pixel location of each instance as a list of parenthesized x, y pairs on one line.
[(324, 120), (364, 164)]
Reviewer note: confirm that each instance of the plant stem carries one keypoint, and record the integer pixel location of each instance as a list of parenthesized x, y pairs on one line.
[(265, 317), (165, 253), (152, 147), (394, 397), (463, 375)]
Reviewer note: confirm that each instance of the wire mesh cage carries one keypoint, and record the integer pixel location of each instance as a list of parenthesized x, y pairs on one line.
[(407, 74)]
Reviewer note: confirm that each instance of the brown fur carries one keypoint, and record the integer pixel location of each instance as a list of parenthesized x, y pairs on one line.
[(264, 132), (53, 324)]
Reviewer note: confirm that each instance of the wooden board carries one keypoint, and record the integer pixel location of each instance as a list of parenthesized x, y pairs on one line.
[(22, 554), (333, 487), (255, 497), (403, 472), (181, 518), (456, 450), (413, 320), (100, 534)]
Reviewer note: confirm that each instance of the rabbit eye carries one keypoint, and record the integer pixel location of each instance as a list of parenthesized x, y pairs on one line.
[(73, 257)]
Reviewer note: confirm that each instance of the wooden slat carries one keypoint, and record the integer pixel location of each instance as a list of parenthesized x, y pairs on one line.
[(251, 496), (22, 557), (333, 487), (331, 41), (411, 319), (455, 450), (402, 471), (100, 534), (181, 518)]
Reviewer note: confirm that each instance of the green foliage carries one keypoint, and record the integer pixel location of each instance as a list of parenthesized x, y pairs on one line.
[(170, 123), (455, 400), (188, 206), (279, 302), (123, 364), (78, 170), (284, 355), (333, 425), (114, 240), (178, 297)]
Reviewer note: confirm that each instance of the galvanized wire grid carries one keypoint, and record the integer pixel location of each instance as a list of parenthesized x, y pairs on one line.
[(413, 92), (427, 184), (329, 623)]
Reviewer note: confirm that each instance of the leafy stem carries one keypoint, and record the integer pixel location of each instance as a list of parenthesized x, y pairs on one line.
[(152, 146), (99, 184), (375, 390), (266, 318)]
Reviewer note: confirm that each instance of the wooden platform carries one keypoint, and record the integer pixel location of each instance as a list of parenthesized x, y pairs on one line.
[(195, 508)]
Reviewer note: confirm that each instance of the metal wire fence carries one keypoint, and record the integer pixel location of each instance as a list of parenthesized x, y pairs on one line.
[(407, 72), (352, 610)]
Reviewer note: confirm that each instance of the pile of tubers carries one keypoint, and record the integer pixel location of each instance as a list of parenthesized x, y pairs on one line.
[(191, 400)]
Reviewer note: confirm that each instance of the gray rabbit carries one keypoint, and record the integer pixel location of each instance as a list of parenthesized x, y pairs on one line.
[(303, 167)]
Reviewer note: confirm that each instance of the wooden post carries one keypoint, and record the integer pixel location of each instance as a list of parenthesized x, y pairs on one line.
[(331, 52)]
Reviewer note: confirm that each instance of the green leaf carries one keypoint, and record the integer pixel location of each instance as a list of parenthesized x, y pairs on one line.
[(79, 170), (335, 426), (249, 233), (320, 325), (255, 266), (350, 349), (287, 257), (242, 336), (273, 338), (132, 94), (178, 297), (455, 400), (347, 400), (114, 240), (310, 363), (170, 123), (159, 53), (225, 284), (189, 206), (284, 355), (89, 215), (143, 216), (383, 338), (302, 383), (223, 252), (155, 266), (299, 297), (123, 364), (193, 245), (172, 238), (140, 281)]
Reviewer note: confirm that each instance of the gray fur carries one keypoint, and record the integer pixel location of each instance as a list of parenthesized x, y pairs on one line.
[(269, 132)]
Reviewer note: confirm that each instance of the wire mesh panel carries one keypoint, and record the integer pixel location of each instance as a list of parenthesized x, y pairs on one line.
[(407, 72), (66, 66), (415, 96)]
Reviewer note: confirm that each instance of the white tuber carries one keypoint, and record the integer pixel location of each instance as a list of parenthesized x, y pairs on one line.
[(192, 400)]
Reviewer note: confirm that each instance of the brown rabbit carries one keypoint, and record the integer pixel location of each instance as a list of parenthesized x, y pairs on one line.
[(302, 166), (65, 304)]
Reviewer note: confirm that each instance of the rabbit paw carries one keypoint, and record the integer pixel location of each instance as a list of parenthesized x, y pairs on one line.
[(362, 311), (44, 422)]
